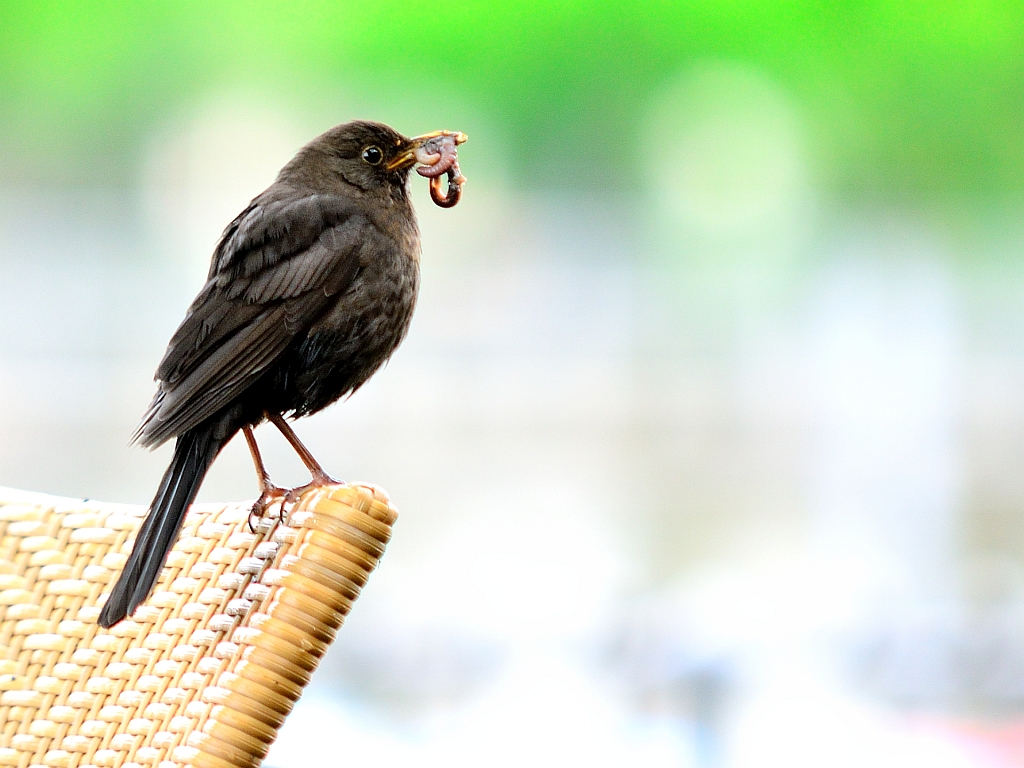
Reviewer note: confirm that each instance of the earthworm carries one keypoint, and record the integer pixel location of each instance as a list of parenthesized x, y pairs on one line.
[(436, 155), (443, 148)]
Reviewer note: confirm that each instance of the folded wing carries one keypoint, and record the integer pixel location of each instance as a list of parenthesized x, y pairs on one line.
[(275, 270)]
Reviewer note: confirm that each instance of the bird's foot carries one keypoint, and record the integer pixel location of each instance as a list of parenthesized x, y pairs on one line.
[(320, 479), (271, 495)]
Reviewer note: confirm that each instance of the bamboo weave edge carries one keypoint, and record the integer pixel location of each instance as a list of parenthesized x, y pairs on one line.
[(208, 668)]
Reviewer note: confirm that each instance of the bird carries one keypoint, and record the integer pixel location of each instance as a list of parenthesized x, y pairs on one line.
[(311, 288)]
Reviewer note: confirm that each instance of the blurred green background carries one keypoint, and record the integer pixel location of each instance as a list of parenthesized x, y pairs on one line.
[(916, 100)]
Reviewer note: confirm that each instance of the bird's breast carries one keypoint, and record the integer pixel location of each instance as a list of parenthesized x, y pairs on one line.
[(359, 331)]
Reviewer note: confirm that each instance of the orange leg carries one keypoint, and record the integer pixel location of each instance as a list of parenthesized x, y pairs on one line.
[(320, 477), (269, 493)]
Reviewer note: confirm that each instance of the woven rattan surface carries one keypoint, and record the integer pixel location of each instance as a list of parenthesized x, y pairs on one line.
[(206, 671)]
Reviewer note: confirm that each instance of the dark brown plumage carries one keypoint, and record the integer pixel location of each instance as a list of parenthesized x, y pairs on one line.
[(310, 290)]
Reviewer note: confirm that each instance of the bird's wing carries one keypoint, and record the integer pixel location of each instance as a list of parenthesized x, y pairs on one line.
[(273, 273)]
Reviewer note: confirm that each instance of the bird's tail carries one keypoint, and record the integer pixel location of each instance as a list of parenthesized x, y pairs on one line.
[(194, 452)]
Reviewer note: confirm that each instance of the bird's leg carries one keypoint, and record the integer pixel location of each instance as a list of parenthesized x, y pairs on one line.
[(320, 477), (269, 493)]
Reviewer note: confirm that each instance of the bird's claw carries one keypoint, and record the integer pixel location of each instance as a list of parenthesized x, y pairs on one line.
[(267, 499), (291, 497), (286, 498)]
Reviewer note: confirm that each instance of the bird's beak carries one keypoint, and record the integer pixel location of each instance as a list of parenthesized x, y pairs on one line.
[(415, 152)]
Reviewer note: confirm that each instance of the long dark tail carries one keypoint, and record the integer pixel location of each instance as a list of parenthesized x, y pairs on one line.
[(194, 452)]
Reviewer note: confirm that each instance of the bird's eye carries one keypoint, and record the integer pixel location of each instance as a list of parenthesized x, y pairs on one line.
[(373, 155)]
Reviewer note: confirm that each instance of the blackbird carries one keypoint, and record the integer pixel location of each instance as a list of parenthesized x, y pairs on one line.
[(310, 290)]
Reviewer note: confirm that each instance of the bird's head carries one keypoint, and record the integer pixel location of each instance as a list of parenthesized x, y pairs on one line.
[(370, 156)]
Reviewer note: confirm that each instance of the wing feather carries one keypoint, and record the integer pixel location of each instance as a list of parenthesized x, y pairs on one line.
[(275, 270)]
